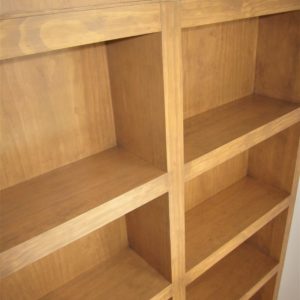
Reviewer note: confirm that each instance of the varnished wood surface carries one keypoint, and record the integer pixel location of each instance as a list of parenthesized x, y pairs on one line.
[(277, 72), (195, 13), (125, 276), (217, 135), (56, 269), (50, 115), (224, 221), (35, 34), (216, 67), (235, 277), (100, 188)]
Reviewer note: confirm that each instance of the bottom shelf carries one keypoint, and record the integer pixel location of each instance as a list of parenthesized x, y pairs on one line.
[(126, 276), (238, 276)]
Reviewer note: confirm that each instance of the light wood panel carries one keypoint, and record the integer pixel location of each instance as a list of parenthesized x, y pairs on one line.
[(217, 135), (50, 211), (50, 114), (221, 223), (172, 71), (238, 276), (215, 180), (195, 13), (149, 234), (56, 269), (136, 78), (18, 8), (125, 276), (216, 67), (278, 72), (28, 35), (266, 292)]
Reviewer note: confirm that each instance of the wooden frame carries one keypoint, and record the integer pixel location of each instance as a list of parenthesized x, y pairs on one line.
[(147, 148)]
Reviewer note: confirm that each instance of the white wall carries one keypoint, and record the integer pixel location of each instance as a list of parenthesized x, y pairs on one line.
[(290, 282)]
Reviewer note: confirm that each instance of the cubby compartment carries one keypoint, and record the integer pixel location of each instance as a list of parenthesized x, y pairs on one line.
[(266, 292), (244, 271), (129, 258), (238, 90), (229, 203), (84, 139)]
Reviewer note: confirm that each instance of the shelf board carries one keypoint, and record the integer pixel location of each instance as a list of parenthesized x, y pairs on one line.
[(220, 224), (214, 136), (48, 212), (126, 276), (238, 276)]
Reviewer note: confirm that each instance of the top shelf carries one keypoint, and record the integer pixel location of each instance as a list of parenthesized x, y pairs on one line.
[(221, 133), (50, 211)]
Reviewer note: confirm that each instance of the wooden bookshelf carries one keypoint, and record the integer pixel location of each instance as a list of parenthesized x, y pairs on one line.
[(149, 149)]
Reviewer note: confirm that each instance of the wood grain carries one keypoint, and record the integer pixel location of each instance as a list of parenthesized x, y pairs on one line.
[(216, 67), (238, 276), (36, 222), (215, 180), (217, 135), (172, 71), (136, 76), (35, 34), (125, 276), (223, 222), (49, 273), (278, 72), (195, 13), (50, 114), (149, 234)]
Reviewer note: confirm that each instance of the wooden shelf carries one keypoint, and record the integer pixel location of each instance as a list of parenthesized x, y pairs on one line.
[(221, 133), (126, 276), (44, 214), (238, 276), (221, 223)]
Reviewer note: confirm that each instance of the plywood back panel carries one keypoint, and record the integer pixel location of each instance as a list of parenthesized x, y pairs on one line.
[(36, 280), (55, 109), (213, 181), (278, 57), (273, 161), (218, 64), (136, 76), (149, 234)]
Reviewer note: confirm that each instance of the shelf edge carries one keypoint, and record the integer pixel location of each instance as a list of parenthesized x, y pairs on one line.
[(44, 244)]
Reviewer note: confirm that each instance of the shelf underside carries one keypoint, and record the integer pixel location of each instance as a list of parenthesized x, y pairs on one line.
[(253, 118), (99, 188), (126, 276), (235, 276), (227, 219)]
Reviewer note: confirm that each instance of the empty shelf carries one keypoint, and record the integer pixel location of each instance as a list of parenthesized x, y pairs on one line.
[(221, 223), (125, 276), (237, 275), (45, 213), (216, 135)]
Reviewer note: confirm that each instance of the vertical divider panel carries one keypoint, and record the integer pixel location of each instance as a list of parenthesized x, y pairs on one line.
[(172, 70)]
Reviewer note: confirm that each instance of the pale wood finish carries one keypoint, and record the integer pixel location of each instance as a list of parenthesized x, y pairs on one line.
[(278, 72), (136, 76), (29, 35), (215, 180), (217, 135), (38, 279), (94, 189), (171, 51), (221, 223), (125, 276), (238, 276), (149, 234), (50, 116), (216, 67), (266, 292), (195, 13)]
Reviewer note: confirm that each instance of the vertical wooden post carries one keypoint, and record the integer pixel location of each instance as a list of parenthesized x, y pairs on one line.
[(171, 49)]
